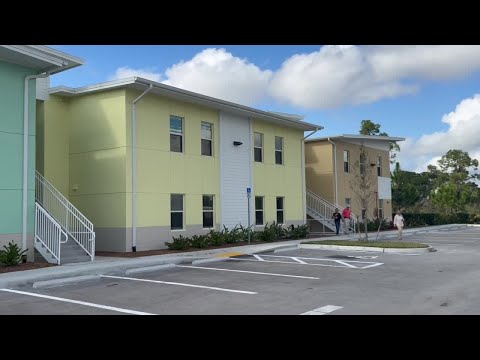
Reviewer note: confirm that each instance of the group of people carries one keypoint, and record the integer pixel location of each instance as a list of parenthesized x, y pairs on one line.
[(398, 221), (345, 215)]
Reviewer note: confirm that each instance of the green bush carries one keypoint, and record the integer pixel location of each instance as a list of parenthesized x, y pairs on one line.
[(268, 234), (244, 231), (427, 219), (373, 225), (232, 236), (12, 255), (179, 243), (199, 241), (217, 238), (299, 232)]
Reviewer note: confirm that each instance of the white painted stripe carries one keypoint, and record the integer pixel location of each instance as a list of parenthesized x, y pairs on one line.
[(373, 265), (258, 257), (309, 258), (298, 260), (287, 262), (344, 263), (180, 284), (323, 310), (127, 311), (249, 272)]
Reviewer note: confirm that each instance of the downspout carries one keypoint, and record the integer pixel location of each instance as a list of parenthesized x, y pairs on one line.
[(334, 168), (134, 168), (304, 192), (25, 155)]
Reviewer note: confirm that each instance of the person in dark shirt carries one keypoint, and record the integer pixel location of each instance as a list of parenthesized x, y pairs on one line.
[(338, 218)]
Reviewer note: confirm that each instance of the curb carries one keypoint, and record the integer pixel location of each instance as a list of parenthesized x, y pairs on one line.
[(286, 248), (64, 281), (366, 248), (209, 260), (149, 268)]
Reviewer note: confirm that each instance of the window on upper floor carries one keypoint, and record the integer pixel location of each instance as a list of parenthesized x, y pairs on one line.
[(207, 139), (258, 147), (176, 134), (278, 150)]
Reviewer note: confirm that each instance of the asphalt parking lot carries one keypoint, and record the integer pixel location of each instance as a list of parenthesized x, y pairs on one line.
[(288, 282)]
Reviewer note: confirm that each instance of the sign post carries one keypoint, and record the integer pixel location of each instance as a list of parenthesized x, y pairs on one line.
[(249, 195)]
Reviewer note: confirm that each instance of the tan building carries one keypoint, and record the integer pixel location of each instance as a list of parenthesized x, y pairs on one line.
[(332, 167)]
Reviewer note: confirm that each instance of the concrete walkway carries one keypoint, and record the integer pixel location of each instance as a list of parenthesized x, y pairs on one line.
[(115, 265)]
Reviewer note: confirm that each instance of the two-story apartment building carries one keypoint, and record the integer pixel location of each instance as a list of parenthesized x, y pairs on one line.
[(332, 169), (146, 161)]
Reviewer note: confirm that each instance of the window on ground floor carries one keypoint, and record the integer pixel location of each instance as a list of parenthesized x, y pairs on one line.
[(258, 210), (207, 211), (280, 209), (176, 211)]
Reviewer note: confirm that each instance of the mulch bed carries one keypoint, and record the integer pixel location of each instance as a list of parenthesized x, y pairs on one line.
[(24, 266)]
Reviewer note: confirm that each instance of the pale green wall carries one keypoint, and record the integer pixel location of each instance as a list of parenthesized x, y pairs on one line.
[(53, 142), (271, 180), (11, 148), (97, 180), (161, 172)]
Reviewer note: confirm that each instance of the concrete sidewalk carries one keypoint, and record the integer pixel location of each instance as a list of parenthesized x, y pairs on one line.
[(114, 265)]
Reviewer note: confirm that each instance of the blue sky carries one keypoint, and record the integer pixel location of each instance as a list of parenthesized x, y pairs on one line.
[(426, 94)]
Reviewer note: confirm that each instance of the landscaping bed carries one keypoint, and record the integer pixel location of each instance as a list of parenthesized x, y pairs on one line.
[(24, 266)]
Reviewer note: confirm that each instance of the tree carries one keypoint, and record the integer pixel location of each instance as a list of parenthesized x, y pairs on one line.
[(363, 184), (368, 127), (453, 188)]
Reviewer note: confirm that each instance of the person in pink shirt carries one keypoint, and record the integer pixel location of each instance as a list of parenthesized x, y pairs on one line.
[(346, 218)]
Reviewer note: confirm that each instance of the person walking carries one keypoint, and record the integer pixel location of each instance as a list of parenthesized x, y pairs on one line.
[(346, 218), (399, 223), (338, 218)]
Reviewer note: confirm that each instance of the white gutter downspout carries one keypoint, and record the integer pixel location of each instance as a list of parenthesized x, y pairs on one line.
[(134, 168), (304, 192), (25, 155), (334, 168)]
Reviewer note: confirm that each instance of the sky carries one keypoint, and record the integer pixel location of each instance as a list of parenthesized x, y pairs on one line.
[(428, 94)]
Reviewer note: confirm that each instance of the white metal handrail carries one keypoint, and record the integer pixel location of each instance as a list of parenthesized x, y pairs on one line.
[(49, 232), (66, 214), (326, 209)]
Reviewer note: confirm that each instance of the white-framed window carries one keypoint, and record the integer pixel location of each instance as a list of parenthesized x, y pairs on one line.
[(380, 208), (362, 163), (379, 165), (207, 204), (346, 161), (207, 139), (176, 133), (258, 210), (258, 147), (280, 209), (278, 150), (176, 212)]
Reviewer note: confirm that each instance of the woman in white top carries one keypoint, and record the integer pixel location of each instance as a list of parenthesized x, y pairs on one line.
[(399, 223)]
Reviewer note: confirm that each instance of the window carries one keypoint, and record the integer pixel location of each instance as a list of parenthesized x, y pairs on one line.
[(258, 147), (176, 212), (278, 150), (258, 210), (207, 139), (362, 163), (207, 211), (176, 133), (280, 209), (379, 165), (380, 208), (348, 201), (346, 161)]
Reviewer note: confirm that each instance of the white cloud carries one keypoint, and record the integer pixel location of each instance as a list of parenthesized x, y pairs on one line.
[(342, 75), (462, 134), (217, 73), (125, 72)]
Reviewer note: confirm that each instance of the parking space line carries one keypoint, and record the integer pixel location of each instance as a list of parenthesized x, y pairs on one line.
[(343, 264), (298, 260), (258, 257), (84, 303), (346, 264), (323, 310), (179, 284), (248, 272), (286, 262)]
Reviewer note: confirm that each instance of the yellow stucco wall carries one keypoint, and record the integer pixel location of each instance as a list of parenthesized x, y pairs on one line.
[(319, 172), (56, 139), (161, 172), (271, 180), (98, 157)]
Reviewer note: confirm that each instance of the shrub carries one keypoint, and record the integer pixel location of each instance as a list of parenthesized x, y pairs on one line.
[(299, 232), (179, 243), (199, 241), (244, 231), (216, 238), (268, 233), (373, 225), (12, 255), (232, 236)]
